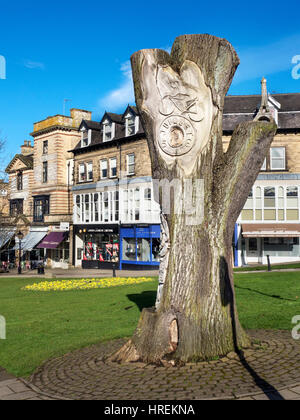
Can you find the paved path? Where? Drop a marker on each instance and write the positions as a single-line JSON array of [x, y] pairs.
[[269, 371], [12, 388], [73, 273]]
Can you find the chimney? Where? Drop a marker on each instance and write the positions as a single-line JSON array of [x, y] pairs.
[[26, 148], [78, 115]]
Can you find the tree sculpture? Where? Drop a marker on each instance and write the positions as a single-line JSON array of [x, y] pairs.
[[180, 98]]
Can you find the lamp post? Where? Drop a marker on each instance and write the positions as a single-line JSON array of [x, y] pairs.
[[20, 237]]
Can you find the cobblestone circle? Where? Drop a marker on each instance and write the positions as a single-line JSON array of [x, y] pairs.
[[83, 374]]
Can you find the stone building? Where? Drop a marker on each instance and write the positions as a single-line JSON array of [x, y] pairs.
[[54, 137], [115, 216], [269, 223]]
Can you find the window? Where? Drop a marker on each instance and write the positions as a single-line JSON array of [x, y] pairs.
[[90, 171], [82, 173], [41, 208], [130, 125], [269, 203], [45, 147], [277, 158], [130, 164], [292, 212], [113, 167], [264, 165], [108, 130], [103, 168], [86, 136], [16, 207], [45, 172], [19, 181]]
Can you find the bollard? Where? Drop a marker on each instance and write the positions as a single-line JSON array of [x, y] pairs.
[[269, 264], [114, 270]]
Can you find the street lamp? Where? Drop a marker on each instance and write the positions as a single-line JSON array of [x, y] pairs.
[[20, 237]]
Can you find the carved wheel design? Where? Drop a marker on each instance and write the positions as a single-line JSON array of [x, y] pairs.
[[176, 135]]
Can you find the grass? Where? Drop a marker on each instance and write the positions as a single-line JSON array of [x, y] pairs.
[[41, 325], [265, 267]]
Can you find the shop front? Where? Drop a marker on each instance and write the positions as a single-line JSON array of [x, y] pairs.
[[139, 247], [56, 246], [279, 241], [97, 246]]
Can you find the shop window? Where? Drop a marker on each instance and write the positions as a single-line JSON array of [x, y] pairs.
[[129, 252], [102, 247], [281, 247], [277, 158], [155, 249], [143, 249], [79, 253]]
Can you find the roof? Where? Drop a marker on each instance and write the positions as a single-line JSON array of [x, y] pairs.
[[26, 159], [97, 129], [241, 108]]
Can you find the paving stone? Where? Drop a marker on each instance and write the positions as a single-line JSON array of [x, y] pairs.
[[84, 374]]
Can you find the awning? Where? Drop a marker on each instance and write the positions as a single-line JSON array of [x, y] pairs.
[[52, 240], [30, 240], [271, 230], [5, 236]]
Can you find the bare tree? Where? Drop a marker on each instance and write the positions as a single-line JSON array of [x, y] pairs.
[[180, 98]]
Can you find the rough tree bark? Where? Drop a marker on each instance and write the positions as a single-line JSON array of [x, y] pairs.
[[180, 98]]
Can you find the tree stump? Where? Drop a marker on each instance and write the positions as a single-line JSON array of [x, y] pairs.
[[180, 98]]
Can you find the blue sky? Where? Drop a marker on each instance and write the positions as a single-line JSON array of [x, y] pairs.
[[80, 51]]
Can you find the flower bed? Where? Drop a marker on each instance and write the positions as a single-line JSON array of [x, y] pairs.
[[85, 284]]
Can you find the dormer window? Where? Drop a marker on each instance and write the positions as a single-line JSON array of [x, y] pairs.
[[131, 124], [108, 130], [86, 136]]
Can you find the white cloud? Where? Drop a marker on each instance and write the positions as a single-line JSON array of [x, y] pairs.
[[34, 65], [267, 59], [121, 96]]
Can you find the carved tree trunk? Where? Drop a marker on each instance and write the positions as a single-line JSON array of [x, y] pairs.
[[180, 98]]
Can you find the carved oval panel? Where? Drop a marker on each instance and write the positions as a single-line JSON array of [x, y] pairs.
[[176, 135]]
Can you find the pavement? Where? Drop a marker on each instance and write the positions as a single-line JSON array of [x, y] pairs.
[[73, 273], [270, 370]]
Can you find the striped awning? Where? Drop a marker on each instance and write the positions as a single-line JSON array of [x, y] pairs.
[[5, 236], [30, 241], [271, 230]]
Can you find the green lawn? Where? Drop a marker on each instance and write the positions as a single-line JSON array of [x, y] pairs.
[[265, 267], [41, 325]]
